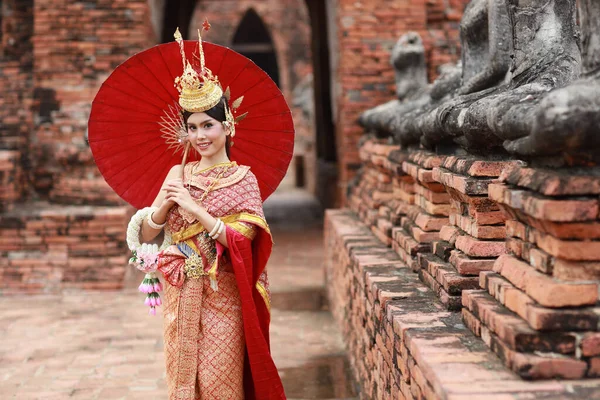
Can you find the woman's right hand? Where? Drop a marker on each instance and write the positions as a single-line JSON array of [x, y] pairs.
[[167, 204]]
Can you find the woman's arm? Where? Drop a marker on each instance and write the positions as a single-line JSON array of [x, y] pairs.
[[160, 215], [177, 193]]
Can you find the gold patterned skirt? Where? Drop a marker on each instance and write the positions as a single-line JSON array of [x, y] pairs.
[[204, 339]]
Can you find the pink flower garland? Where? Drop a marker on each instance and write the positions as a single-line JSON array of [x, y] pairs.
[[145, 258]]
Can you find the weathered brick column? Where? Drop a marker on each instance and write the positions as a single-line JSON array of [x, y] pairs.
[[383, 190], [422, 223], [539, 310], [474, 235]]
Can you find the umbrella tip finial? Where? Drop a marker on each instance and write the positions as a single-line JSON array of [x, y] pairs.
[[177, 35]]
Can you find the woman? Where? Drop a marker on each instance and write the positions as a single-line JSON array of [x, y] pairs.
[[216, 301]]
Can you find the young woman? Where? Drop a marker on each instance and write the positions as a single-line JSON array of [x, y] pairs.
[[216, 293]]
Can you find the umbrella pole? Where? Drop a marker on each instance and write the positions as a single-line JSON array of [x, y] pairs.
[[185, 155]]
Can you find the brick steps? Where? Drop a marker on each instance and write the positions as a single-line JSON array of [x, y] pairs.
[[403, 343]]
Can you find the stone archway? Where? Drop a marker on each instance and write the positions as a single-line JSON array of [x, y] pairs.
[[252, 39]]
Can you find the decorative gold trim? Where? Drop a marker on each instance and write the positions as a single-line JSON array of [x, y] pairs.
[[263, 292], [241, 228], [197, 228], [200, 181]]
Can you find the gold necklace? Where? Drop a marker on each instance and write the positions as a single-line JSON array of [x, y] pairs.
[[195, 166], [210, 182]]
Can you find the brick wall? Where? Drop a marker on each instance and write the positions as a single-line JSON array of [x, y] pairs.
[[47, 248], [55, 55], [16, 93], [366, 33], [403, 344], [76, 46], [515, 249]]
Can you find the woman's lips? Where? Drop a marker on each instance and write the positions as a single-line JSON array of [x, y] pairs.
[[204, 146]]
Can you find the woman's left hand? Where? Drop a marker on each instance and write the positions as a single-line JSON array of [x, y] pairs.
[[179, 194]]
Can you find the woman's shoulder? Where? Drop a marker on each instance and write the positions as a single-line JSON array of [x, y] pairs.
[[248, 170]]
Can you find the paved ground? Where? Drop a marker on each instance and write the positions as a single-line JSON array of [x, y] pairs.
[[90, 345]]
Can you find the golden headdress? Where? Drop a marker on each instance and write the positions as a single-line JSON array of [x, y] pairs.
[[199, 90]]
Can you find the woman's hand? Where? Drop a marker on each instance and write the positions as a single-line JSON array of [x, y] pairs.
[[177, 193]]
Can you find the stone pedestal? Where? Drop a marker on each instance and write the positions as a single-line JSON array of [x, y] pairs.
[[474, 235], [539, 307]]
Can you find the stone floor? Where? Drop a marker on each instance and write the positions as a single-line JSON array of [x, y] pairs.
[[90, 345]]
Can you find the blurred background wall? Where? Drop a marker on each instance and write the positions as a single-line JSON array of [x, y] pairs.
[[61, 225]]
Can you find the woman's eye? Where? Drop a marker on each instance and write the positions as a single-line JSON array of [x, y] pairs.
[[208, 125]]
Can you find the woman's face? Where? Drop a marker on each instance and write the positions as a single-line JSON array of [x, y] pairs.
[[206, 134]]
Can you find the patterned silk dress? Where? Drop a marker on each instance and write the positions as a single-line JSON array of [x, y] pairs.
[[203, 324]]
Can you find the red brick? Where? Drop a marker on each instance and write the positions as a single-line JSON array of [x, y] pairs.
[[590, 344], [479, 248], [431, 208], [553, 182], [449, 234], [544, 289], [430, 223], [576, 271], [574, 250], [537, 317], [467, 266], [544, 208]]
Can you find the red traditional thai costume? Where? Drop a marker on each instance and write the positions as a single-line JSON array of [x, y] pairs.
[[217, 300]]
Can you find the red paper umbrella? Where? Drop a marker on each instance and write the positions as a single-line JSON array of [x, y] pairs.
[[124, 128]]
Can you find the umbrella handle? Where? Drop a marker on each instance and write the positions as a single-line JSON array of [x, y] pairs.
[[185, 155]]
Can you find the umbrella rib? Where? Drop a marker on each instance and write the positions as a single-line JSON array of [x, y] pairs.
[[122, 136], [152, 73], [167, 66], [265, 116], [153, 189], [268, 130], [262, 101], [224, 57], [128, 109], [123, 150], [124, 179], [264, 78], [136, 160], [131, 95], [263, 145], [262, 163], [240, 71], [155, 77]]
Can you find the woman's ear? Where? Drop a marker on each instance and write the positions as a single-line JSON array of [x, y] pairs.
[[227, 127]]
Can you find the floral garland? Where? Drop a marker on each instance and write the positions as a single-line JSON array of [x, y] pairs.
[[145, 257]]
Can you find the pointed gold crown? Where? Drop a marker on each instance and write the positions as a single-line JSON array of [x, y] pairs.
[[199, 90]]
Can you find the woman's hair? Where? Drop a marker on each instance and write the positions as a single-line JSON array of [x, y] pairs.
[[218, 113]]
